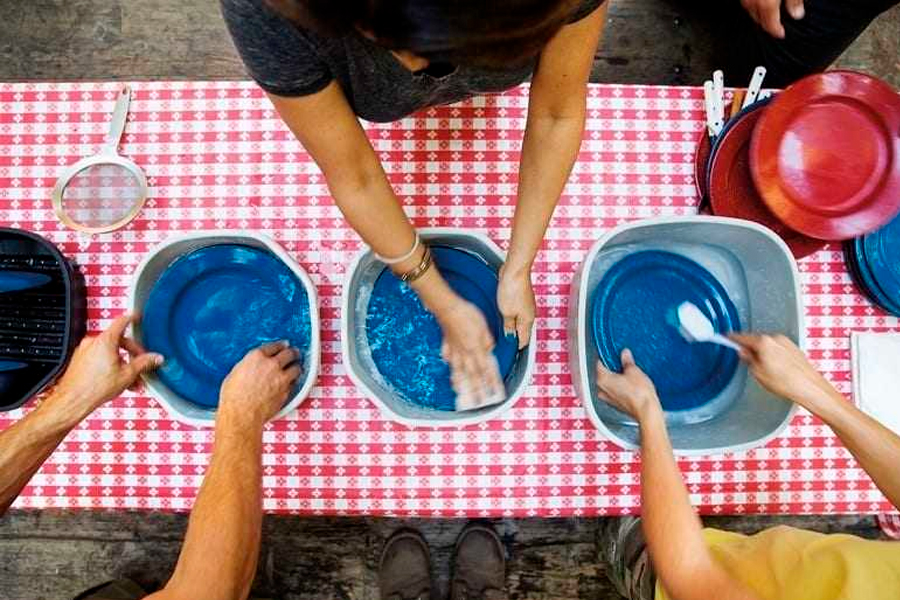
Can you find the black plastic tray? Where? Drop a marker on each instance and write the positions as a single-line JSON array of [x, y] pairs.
[[40, 326]]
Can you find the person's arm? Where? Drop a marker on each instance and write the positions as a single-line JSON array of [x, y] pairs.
[[221, 547], [553, 132], [679, 554], [326, 126], [95, 374], [782, 368]]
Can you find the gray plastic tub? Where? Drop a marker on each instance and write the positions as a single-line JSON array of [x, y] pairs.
[[761, 276], [361, 277], [158, 259]]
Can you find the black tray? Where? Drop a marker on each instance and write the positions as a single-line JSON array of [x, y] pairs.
[[40, 326]]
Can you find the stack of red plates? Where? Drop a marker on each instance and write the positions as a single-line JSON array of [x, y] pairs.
[[820, 162]]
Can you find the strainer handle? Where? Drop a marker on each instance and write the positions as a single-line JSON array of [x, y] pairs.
[[117, 122]]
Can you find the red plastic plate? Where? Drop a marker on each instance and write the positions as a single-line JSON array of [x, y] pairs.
[[731, 189], [825, 156]]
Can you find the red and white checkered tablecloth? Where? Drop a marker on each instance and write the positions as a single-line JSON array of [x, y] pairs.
[[218, 157]]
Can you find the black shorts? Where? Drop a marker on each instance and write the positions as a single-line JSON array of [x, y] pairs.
[[810, 45]]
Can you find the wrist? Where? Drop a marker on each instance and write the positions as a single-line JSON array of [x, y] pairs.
[[436, 295], [517, 264], [821, 402], [231, 421], [649, 411], [65, 409]]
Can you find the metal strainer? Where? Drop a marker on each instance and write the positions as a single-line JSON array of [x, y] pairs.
[[103, 192]]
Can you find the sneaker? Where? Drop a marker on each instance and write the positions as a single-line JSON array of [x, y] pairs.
[[479, 565], [621, 546], [404, 572]]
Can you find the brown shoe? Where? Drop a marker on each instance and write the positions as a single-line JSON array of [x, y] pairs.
[[479, 565], [405, 569]]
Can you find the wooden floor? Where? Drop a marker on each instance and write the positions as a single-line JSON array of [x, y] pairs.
[[54, 555]]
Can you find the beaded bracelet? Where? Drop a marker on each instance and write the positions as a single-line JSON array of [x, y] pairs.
[[420, 269]]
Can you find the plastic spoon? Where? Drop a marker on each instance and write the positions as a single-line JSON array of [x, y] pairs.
[[695, 327]]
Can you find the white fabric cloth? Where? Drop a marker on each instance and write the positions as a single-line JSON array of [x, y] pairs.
[[876, 376]]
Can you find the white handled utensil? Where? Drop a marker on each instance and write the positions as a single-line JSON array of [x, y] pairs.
[[695, 327], [714, 121], [752, 95], [719, 94]]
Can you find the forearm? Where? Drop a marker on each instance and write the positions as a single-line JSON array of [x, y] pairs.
[[29, 442], [666, 510], [673, 531], [372, 210], [221, 548], [875, 447], [549, 150]]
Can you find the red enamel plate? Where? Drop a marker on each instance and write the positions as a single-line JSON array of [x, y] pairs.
[[731, 190], [701, 163], [825, 155]]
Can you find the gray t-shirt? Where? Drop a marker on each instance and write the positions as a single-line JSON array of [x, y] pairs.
[[286, 60]]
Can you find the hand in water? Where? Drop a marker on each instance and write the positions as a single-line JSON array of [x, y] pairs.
[[631, 391], [468, 348], [258, 386], [782, 368], [515, 299]]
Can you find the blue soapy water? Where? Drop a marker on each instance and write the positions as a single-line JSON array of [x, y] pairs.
[[405, 340], [212, 306], [633, 308]]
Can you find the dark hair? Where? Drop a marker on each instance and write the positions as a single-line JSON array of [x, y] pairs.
[[485, 33]]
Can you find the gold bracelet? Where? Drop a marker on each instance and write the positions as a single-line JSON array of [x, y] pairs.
[[419, 270]]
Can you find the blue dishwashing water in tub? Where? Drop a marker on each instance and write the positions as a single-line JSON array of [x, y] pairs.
[[404, 338], [213, 305], [636, 292]]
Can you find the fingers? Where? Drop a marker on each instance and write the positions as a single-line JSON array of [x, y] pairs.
[[795, 8], [523, 330], [116, 330], [273, 348], [476, 380], [627, 359], [133, 347], [287, 356], [509, 324], [748, 341], [293, 372], [142, 364], [602, 373], [770, 19]]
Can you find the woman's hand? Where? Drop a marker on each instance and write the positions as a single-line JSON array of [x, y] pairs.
[[97, 372], [468, 348], [783, 369], [767, 14], [258, 386], [515, 299], [632, 391]]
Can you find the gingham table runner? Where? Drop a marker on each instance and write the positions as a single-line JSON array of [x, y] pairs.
[[218, 157]]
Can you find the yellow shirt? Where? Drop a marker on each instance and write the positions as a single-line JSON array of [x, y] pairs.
[[784, 563]]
